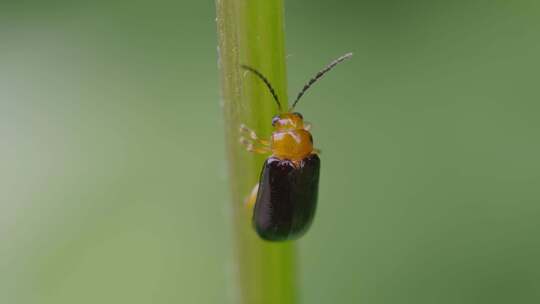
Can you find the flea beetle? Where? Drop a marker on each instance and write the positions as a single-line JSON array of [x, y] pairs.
[[286, 196]]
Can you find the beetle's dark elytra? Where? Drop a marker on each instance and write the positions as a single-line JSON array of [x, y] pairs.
[[287, 198]]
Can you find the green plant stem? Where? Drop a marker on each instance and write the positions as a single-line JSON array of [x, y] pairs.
[[251, 32]]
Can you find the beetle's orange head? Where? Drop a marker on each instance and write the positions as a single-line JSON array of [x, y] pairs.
[[288, 122]]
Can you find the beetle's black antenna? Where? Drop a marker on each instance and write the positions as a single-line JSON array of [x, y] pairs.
[[261, 76], [319, 75]]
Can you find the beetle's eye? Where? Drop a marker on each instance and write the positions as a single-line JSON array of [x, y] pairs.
[[275, 120], [299, 115]]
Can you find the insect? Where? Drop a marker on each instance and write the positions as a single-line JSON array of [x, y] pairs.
[[286, 196]]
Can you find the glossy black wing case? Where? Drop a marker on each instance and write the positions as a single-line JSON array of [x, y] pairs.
[[287, 198]]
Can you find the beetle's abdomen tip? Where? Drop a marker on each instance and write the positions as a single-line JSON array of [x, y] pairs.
[[279, 237]]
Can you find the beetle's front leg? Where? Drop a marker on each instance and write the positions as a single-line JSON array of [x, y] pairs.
[[254, 143], [244, 130], [250, 147]]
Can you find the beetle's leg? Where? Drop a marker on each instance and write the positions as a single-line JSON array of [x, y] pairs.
[[252, 198], [251, 145], [245, 130], [307, 125], [252, 148]]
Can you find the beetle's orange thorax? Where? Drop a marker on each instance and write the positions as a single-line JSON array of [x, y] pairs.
[[290, 140]]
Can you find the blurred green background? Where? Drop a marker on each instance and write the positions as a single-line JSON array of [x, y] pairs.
[[113, 174]]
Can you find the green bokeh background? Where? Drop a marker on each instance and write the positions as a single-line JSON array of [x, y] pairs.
[[113, 175]]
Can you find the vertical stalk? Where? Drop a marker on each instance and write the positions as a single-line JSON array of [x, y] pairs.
[[251, 32]]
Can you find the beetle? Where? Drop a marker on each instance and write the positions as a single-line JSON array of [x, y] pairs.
[[285, 198]]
